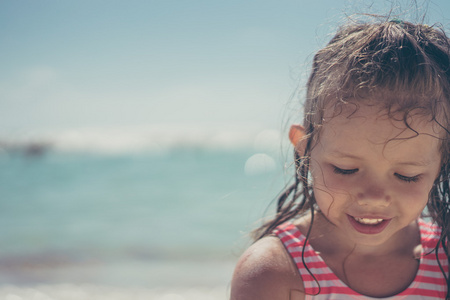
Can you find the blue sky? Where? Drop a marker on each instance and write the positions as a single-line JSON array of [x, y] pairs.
[[91, 63]]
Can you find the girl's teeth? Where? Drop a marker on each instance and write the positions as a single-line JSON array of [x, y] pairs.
[[369, 221]]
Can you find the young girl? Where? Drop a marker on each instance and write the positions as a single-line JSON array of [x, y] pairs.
[[373, 152]]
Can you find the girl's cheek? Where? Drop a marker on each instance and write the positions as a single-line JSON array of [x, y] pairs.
[[327, 179], [416, 190]]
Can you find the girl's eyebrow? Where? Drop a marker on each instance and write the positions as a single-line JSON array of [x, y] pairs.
[[417, 163], [340, 154]]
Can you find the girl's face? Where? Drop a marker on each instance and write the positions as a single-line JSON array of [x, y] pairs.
[[372, 175]]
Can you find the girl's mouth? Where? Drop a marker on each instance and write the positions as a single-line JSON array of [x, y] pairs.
[[368, 221], [368, 225]]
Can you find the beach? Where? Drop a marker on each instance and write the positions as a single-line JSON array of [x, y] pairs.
[[79, 292]]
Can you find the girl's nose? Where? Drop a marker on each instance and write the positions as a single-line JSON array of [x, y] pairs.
[[373, 195]]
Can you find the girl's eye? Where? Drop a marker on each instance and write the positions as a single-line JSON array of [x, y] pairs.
[[344, 171], [408, 179]]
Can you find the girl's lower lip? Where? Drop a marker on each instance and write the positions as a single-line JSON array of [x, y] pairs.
[[366, 228]]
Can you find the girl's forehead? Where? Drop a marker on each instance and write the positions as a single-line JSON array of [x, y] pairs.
[[370, 130], [379, 120]]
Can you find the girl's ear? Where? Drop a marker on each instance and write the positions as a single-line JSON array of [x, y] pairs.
[[296, 135]]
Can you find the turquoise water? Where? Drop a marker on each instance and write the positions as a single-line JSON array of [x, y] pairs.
[[130, 219]]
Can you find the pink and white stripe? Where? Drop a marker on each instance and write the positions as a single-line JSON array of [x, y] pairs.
[[429, 283]]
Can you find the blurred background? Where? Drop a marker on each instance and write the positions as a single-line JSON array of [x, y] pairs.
[[141, 141]]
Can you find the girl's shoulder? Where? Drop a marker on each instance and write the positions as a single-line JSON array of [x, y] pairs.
[[266, 271]]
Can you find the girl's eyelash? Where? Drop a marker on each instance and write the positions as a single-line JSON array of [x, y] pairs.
[[344, 171], [352, 171], [408, 179]]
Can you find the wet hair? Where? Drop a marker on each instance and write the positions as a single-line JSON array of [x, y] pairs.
[[400, 67]]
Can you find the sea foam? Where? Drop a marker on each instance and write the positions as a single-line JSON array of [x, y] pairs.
[[157, 139]]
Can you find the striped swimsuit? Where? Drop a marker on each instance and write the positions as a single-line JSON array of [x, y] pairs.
[[428, 284]]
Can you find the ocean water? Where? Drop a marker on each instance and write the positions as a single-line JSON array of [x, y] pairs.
[[130, 225]]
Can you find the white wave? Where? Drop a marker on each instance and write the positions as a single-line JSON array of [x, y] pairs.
[[268, 140], [154, 138]]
